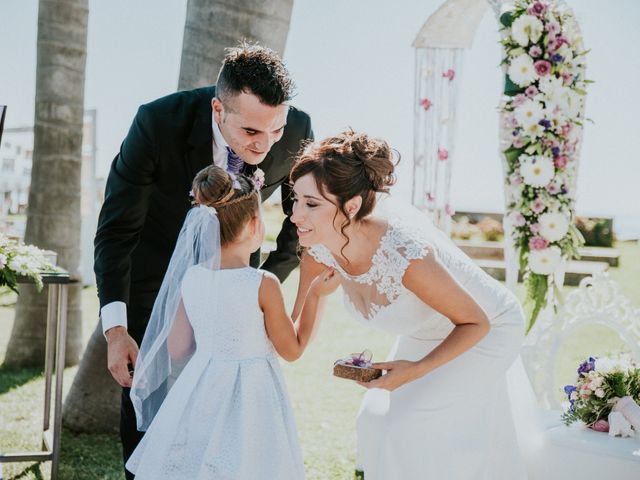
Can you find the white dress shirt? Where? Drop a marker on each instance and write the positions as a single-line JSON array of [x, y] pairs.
[[114, 314]]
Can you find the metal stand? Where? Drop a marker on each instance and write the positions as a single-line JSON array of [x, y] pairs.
[[54, 360]]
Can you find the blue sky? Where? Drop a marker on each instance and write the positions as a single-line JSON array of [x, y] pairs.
[[354, 66]]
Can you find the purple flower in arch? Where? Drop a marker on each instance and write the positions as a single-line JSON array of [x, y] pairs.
[[555, 151], [546, 124], [556, 57]]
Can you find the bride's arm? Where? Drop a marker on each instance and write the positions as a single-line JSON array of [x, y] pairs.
[[309, 269], [430, 281]]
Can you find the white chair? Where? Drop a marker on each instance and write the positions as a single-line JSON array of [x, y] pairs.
[[561, 452]]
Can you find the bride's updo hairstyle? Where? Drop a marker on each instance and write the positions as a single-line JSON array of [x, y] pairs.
[[348, 165], [235, 205]]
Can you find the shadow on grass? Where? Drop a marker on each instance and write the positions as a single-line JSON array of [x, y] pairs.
[[31, 472], [11, 377]]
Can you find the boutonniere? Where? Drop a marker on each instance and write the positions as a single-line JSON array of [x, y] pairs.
[[258, 178]]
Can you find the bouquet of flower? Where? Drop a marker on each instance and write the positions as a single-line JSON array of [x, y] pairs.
[[17, 259], [542, 109], [601, 383]]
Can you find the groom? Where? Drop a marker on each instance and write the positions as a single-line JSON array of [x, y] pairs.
[[242, 124]]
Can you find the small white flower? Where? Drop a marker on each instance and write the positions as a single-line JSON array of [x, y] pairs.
[[3, 261], [526, 28], [545, 261], [534, 131], [536, 171], [599, 393], [521, 70], [529, 113], [553, 226]]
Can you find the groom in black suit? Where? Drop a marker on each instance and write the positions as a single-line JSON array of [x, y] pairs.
[[243, 124]]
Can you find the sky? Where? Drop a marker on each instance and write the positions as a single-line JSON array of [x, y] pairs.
[[354, 66]]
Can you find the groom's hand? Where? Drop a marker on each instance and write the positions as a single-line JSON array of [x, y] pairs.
[[122, 350]]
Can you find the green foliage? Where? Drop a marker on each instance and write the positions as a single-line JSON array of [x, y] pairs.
[[537, 288]]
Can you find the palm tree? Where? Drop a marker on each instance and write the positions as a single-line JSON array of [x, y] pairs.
[[211, 26], [94, 399], [53, 219]]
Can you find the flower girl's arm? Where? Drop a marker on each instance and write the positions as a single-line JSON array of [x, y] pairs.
[[309, 270], [180, 342], [288, 337]]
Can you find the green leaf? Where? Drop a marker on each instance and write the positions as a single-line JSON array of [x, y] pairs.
[[512, 154], [506, 19], [510, 88]]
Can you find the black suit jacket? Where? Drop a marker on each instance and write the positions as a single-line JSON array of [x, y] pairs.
[[147, 197]]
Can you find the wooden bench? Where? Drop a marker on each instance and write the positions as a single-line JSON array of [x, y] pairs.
[[576, 270]]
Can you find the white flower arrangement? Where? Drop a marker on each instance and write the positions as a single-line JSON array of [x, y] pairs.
[[17, 259], [542, 106]]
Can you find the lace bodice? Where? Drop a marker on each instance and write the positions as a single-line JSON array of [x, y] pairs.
[[379, 298]]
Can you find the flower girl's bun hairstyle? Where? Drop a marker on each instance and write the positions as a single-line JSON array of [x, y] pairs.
[[235, 199], [347, 165]]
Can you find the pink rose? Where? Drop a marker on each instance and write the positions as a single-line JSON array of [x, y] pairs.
[[600, 426], [517, 142], [449, 74], [553, 27], [518, 100], [517, 219], [566, 129], [426, 103], [538, 9], [448, 209], [537, 206], [443, 154], [535, 51], [538, 243], [534, 227], [542, 67], [531, 91], [553, 188], [561, 161]]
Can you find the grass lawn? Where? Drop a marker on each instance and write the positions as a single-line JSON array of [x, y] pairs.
[[325, 406]]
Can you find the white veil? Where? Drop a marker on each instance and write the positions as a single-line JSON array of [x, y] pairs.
[[168, 339]]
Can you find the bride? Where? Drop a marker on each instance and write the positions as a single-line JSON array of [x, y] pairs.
[[441, 410]]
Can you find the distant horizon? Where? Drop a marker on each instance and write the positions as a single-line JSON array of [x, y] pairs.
[[359, 74]]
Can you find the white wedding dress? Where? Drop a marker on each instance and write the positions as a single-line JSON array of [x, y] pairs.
[[228, 414], [455, 422]]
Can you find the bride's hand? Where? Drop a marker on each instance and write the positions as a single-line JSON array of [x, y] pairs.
[[398, 373]]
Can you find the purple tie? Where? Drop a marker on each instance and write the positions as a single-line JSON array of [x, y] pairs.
[[234, 162]]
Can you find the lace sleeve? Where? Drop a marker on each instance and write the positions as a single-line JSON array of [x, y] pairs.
[[321, 254]]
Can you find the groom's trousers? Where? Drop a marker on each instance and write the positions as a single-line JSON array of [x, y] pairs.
[[129, 434]]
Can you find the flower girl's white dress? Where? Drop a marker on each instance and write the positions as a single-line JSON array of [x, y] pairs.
[[228, 414], [455, 422]]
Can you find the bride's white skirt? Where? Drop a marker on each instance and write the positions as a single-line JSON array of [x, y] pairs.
[[454, 423]]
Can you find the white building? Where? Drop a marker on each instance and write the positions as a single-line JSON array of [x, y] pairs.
[[16, 152]]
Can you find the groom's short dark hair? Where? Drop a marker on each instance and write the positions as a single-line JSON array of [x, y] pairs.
[[251, 68]]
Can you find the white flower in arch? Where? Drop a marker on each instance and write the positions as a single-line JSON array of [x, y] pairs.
[[526, 28], [536, 171]]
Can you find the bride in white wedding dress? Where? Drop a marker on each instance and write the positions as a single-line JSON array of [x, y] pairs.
[[441, 411]]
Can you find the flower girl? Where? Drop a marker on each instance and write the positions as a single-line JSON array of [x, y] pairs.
[[226, 415]]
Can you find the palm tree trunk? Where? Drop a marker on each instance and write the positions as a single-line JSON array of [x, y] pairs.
[[212, 26], [94, 400], [53, 219], [93, 403]]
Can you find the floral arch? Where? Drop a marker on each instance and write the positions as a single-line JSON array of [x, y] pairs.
[[542, 110]]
